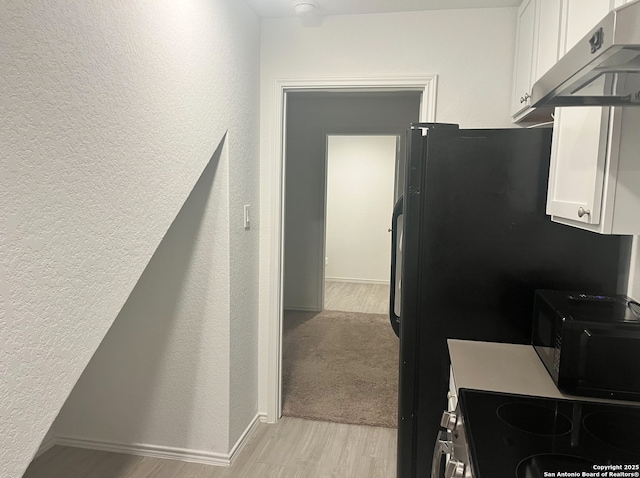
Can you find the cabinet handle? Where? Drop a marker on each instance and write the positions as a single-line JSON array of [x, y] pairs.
[[583, 212], [523, 99]]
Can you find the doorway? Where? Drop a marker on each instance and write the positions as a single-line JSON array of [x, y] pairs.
[[278, 169], [346, 359], [360, 193], [310, 118]]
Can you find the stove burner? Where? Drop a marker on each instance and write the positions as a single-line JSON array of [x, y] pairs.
[[534, 419], [618, 429], [535, 466]]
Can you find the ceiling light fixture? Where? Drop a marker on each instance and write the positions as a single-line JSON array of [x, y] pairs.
[[304, 8]]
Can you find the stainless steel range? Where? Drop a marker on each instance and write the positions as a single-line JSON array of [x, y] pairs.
[[496, 435], [451, 453]]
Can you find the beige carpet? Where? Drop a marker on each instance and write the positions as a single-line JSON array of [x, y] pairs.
[[340, 367]]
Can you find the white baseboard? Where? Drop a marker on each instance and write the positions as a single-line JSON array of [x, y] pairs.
[[357, 281], [155, 451], [45, 446], [166, 452], [301, 308], [246, 435]]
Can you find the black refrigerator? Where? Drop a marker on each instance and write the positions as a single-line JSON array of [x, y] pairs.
[[474, 243]]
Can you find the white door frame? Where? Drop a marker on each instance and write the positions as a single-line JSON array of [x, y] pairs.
[[426, 85]]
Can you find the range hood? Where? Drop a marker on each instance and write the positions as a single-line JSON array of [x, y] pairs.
[[603, 69]]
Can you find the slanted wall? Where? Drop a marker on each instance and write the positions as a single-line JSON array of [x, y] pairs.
[[110, 113]]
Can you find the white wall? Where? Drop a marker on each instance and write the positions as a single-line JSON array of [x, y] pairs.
[[471, 51], [360, 180], [110, 112], [160, 377]]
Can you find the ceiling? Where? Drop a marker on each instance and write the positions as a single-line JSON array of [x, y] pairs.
[[284, 8]]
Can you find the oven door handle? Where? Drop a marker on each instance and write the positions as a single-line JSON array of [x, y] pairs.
[[443, 446]]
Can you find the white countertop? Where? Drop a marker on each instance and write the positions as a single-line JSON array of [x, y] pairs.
[[508, 368]]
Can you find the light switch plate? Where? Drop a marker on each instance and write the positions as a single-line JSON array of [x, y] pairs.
[[247, 221]]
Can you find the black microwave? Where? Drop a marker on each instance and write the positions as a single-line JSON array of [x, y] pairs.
[[589, 344]]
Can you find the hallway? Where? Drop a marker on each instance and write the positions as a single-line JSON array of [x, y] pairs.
[[341, 364]]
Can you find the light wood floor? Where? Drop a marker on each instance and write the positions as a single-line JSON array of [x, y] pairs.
[[292, 448], [356, 297]]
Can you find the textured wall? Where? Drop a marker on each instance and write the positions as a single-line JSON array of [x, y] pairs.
[[471, 51], [109, 114], [161, 375]]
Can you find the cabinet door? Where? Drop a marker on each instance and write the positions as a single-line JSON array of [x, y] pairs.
[[524, 61], [579, 150], [578, 156], [548, 37], [578, 17]]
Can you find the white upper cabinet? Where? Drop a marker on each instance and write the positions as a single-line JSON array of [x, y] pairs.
[[594, 180], [547, 50], [538, 31], [525, 39]]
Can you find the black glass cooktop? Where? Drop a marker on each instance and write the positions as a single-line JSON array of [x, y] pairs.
[[525, 437]]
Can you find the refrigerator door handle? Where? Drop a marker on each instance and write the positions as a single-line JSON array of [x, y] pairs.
[[397, 212]]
